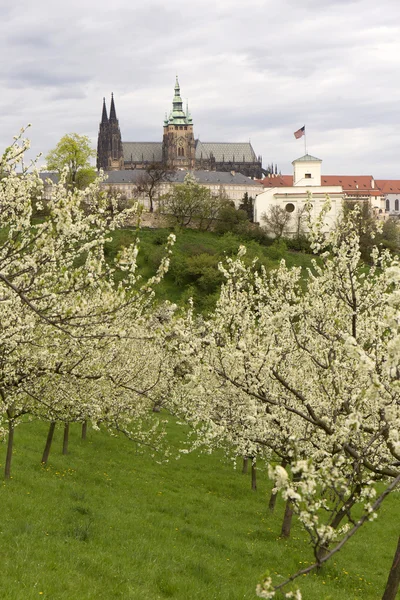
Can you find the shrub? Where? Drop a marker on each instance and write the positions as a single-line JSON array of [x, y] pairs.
[[277, 250], [299, 243]]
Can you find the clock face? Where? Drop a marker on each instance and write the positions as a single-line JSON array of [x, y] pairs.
[[181, 142]]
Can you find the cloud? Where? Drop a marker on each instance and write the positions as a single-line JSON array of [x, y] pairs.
[[257, 70]]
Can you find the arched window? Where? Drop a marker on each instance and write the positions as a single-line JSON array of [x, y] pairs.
[[387, 204], [396, 205]]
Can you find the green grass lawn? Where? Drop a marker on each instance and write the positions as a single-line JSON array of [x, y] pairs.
[[107, 522]]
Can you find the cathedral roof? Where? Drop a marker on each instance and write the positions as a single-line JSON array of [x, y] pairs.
[[226, 151], [221, 151], [142, 151]]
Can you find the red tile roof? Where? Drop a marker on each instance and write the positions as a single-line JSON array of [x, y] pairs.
[[358, 185], [350, 182], [277, 181], [388, 186]]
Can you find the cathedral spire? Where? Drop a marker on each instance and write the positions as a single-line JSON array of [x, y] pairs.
[[104, 118], [177, 115], [113, 114], [177, 101]]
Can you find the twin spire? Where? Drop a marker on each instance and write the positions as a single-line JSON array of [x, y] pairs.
[[113, 114]]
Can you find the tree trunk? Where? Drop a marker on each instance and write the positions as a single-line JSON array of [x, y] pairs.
[[287, 519], [66, 438], [245, 464], [393, 581], [272, 501], [84, 430], [47, 447], [7, 469], [253, 475]]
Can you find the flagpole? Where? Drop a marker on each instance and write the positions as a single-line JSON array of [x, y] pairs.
[[305, 141]]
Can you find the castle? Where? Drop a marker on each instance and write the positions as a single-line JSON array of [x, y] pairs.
[[178, 150]]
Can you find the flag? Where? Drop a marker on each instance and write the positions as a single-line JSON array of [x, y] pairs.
[[300, 132]]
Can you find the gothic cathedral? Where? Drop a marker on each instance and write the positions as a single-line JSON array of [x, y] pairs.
[[178, 150]]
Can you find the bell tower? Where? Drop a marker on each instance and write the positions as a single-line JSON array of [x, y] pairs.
[[178, 139]]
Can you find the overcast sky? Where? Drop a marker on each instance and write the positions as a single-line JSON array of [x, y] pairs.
[[250, 69]]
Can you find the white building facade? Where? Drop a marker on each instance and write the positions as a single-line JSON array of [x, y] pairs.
[[306, 181], [231, 184]]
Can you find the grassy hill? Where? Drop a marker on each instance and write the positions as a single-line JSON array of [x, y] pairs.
[[194, 262], [106, 522]]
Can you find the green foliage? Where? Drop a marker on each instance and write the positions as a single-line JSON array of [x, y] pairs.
[[250, 231], [204, 271], [195, 257], [278, 249], [73, 151], [230, 244], [366, 225], [247, 205], [372, 232], [160, 238], [230, 219], [105, 522], [299, 243], [187, 202], [191, 204], [389, 237]]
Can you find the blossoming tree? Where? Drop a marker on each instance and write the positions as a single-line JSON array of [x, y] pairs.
[[65, 320], [320, 353]]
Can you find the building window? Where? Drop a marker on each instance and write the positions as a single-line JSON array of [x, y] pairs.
[[396, 205], [307, 175], [387, 204], [289, 207], [185, 128]]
